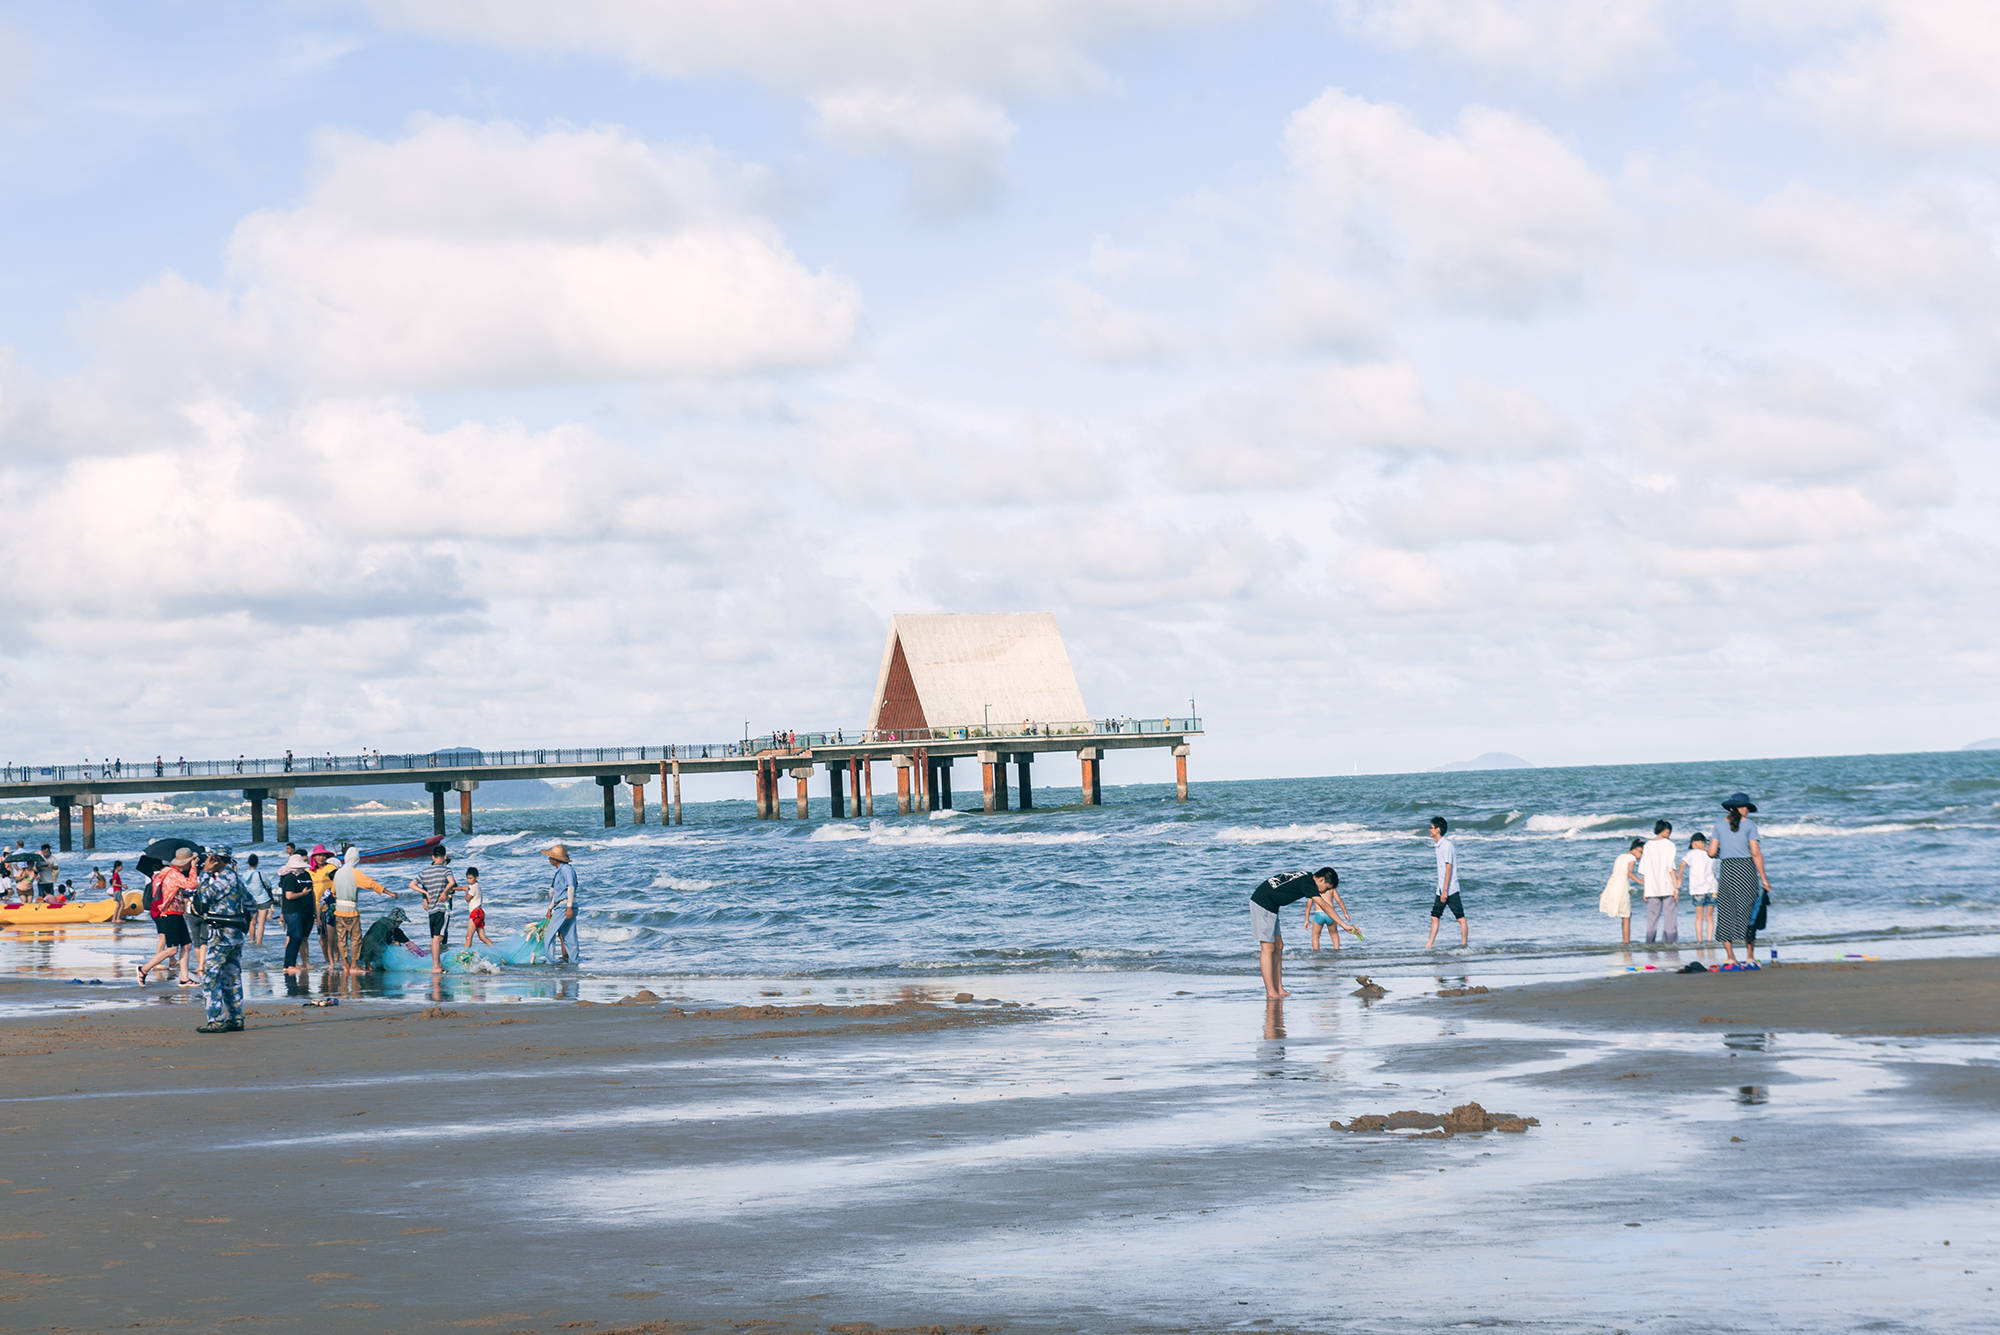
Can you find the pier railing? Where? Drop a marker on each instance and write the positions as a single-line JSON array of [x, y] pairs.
[[277, 767]]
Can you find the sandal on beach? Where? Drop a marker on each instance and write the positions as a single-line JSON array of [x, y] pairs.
[[142, 975]]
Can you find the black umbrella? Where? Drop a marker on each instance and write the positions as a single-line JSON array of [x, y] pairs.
[[22, 855], [163, 850]]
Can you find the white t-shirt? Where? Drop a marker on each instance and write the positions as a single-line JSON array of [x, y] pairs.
[[1447, 855], [1701, 872], [1656, 867]]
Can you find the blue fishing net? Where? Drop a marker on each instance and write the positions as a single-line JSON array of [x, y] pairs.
[[528, 947]]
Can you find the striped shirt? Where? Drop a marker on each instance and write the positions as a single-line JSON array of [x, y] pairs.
[[436, 884]]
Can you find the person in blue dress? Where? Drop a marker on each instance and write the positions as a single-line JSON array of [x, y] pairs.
[[560, 920]]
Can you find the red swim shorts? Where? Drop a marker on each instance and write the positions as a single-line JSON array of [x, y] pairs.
[[479, 917]]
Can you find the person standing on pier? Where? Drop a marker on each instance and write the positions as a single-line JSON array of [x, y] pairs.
[[560, 920], [1447, 893]]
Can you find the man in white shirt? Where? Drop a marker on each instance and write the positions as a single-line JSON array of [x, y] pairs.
[[1660, 869], [1447, 893]]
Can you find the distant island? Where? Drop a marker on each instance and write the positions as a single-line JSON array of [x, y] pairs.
[[1990, 744], [1491, 760]]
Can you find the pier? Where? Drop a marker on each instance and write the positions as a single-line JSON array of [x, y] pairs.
[[923, 761]]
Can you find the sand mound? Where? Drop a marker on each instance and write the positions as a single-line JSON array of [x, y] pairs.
[[643, 997], [1465, 1119], [1369, 987], [1462, 991]]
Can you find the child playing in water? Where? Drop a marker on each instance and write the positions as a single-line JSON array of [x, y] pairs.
[[1318, 919], [1616, 901], [475, 907], [1701, 887]]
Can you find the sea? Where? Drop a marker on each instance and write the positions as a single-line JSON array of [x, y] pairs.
[[1868, 855]]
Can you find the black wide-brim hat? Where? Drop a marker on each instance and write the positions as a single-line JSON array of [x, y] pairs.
[[1738, 800]]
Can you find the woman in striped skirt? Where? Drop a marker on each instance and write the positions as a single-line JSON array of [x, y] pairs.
[[1740, 880]]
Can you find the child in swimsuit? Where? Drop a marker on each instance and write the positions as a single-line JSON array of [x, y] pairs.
[[1318, 920], [475, 907]]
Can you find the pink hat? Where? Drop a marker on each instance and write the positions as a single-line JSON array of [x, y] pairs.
[[319, 849]]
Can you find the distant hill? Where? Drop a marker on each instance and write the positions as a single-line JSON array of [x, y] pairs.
[[1491, 760], [1990, 744]]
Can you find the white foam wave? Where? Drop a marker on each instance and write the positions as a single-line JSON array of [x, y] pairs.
[[1808, 830], [478, 841], [953, 836], [609, 935], [682, 883], [635, 841], [1325, 832], [1571, 827]]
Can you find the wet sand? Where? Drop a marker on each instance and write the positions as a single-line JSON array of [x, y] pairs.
[[1135, 1153], [1955, 996]]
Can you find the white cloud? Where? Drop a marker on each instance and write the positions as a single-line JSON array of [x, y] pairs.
[[1496, 214], [1307, 309], [1574, 42], [1098, 330], [956, 142], [468, 253], [1918, 73], [1934, 245]]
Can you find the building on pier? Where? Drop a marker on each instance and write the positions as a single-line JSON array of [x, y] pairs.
[[966, 669]]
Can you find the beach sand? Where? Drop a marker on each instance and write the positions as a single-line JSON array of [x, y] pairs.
[[1801, 1149]]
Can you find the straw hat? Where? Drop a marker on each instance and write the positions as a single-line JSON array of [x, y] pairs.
[[183, 856], [560, 852]]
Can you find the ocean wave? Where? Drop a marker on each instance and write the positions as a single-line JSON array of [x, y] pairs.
[[682, 883], [946, 835], [1574, 826], [1811, 830], [1322, 832], [479, 841]]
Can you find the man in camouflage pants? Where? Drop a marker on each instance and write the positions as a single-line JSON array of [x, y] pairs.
[[227, 906]]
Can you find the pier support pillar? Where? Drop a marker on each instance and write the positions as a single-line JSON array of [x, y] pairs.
[[944, 784], [903, 768], [1180, 772], [607, 782], [466, 787], [803, 774], [283, 800], [677, 792], [995, 794], [62, 805], [867, 788], [437, 792], [836, 795], [89, 806], [638, 783], [1093, 795], [1022, 760], [256, 800]]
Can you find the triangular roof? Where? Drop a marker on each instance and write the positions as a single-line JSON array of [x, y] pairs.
[[953, 669]]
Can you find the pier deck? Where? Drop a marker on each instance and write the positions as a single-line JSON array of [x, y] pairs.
[[922, 760]]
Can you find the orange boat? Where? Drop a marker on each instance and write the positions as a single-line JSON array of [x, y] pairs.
[[75, 911]]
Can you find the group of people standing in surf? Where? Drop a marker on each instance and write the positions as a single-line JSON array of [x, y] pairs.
[[1723, 874]]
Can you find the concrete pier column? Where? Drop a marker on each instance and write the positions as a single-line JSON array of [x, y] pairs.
[[62, 805], [944, 784], [803, 774], [677, 792], [256, 799], [836, 796], [1092, 795], [1180, 772], [437, 792], [466, 787], [762, 814], [283, 799], [903, 767], [607, 782], [990, 761], [88, 801], [868, 787], [638, 799], [1022, 761]]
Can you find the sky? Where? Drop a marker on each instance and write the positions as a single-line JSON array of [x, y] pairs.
[[1396, 380]]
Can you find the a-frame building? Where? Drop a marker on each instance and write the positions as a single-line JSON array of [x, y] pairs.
[[968, 669]]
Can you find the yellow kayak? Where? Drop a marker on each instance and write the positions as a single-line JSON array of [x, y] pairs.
[[77, 910]]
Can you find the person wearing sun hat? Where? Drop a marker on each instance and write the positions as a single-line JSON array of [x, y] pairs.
[[560, 921], [1739, 851]]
